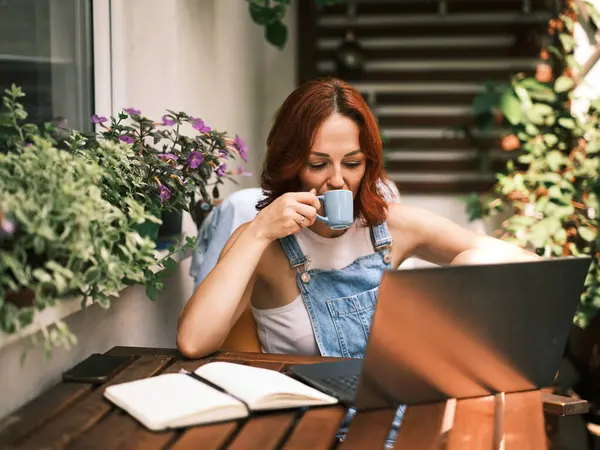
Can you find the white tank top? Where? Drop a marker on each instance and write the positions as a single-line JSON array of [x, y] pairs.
[[287, 329]]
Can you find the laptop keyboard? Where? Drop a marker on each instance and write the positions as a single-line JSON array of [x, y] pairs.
[[345, 385]]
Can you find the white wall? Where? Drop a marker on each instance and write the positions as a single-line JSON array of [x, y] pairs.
[[205, 57]]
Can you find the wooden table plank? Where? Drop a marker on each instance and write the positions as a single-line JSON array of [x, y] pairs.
[[271, 365], [72, 423], [524, 422], [421, 427], [473, 426], [264, 432], [288, 359], [121, 431], [122, 350], [207, 437], [40, 410], [368, 429], [317, 429]]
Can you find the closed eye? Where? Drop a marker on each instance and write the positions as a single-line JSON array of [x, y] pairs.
[[352, 164]]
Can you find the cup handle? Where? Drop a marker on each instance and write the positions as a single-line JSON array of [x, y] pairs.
[[325, 220]]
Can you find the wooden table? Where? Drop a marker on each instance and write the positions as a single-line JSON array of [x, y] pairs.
[[76, 416]]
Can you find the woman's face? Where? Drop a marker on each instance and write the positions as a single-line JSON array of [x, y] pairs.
[[335, 160]]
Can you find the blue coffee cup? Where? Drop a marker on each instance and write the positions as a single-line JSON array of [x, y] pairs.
[[339, 209]]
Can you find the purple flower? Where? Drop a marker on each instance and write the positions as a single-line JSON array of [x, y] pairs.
[[194, 159], [167, 156], [241, 147], [167, 121], [221, 170], [223, 153], [165, 193], [126, 138], [132, 111], [98, 119], [200, 125]]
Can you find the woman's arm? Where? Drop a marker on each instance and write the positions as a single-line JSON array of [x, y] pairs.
[[223, 295], [219, 300], [441, 241]]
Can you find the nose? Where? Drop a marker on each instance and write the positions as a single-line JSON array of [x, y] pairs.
[[336, 181]]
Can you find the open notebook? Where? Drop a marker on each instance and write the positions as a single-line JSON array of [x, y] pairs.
[[179, 399]]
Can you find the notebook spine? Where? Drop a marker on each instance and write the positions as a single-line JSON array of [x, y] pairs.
[[197, 377]]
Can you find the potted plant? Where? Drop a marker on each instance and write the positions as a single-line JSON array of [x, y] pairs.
[[65, 239], [172, 169], [77, 221]]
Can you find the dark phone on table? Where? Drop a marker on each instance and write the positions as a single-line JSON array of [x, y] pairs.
[[98, 368]]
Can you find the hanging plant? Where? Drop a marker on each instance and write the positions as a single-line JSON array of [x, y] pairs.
[[270, 14]]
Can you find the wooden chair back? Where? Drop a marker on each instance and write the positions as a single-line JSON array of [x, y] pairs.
[[243, 337]]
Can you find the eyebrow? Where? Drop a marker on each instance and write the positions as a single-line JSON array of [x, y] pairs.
[[325, 155]]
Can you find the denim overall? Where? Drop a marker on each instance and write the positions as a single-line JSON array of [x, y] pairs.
[[341, 302]]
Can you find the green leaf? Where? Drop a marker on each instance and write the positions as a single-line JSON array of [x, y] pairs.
[[42, 275], [566, 122], [587, 234], [563, 84], [151, 292], [541, 114], [128, 281], [511, 107], [170, 263], [522, 221], [550, 140], [262, 15], [92, 275], [276, 34], [531, 129], [523, 95], [560, 236], [484, 103], [567, 41]]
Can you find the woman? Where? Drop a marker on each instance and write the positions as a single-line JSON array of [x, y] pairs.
[[312, 289]]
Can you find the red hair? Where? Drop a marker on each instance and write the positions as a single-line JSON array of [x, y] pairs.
[[293, 133]]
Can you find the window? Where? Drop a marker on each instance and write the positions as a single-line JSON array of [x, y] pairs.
[[46, 48]]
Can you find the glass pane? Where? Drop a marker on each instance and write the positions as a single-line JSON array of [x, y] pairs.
[[46, 48]]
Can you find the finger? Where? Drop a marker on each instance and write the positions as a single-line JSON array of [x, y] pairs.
[[308, 198], [301, 220], [307, 211]]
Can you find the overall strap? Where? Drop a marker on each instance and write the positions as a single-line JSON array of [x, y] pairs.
[[381, 237], [292, 250]]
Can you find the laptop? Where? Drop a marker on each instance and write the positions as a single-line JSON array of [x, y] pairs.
[[459, 332]]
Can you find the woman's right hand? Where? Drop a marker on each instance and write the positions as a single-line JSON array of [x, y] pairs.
[[287, 215]]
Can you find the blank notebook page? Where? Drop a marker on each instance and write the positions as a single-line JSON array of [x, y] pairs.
[[158, 401], [252, 383]]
